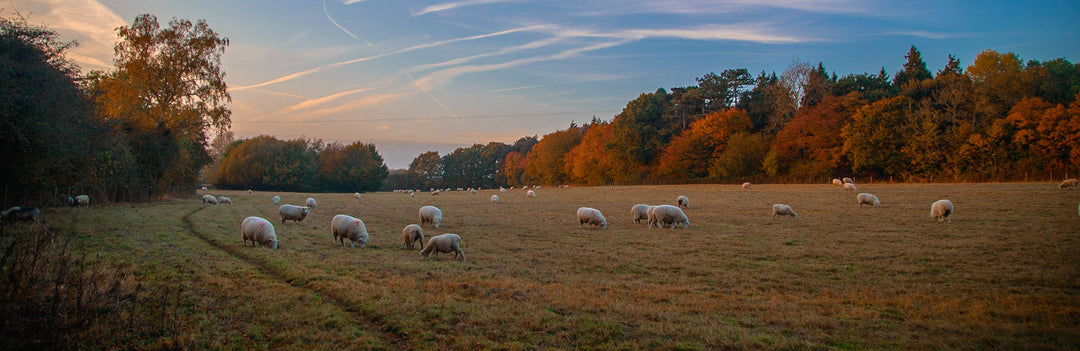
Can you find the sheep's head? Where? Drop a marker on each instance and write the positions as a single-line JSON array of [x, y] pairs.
[[274, 244]]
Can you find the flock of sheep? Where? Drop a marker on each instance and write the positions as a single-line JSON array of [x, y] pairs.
[[260, 231]]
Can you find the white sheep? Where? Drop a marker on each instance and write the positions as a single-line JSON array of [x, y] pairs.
[[683, 201], [848, 180], [310, 203], [783, 210], [869, 199], [1069, 183], [837, 182], [591, 216], [430, 214], [356, 195], [345, 226], [494, 199], [82, 200], [276, 199], [473, 191], [941, 210], [639, 212], [224, 200], [667, 214], [209, 199], [412, 193], [413, 234], [746, 185], [259, 231], [435, 192], [293, 212], [502, 190], [531, 193], [443, 243], [850, 186]]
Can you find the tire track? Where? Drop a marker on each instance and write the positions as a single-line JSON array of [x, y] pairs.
[[391, 340]]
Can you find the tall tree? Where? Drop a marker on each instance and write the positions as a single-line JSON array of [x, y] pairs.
[[427, 168], [590, 161], [356, 167], [874, 139], [545, 164], [168, 90], [640, 132], [914, 69]]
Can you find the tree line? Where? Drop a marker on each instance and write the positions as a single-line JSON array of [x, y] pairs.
[[999, 119]]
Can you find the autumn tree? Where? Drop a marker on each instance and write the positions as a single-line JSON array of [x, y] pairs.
[[811, 144], [692, 154], [640, 133], [268, 163], [545, 164], [168, 92], [357, 167], [999, 83], [475, 166], [874, 139], [1048, 134], [589, 162], [427, 169]]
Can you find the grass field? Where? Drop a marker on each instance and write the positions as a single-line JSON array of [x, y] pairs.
[[1004, 273]]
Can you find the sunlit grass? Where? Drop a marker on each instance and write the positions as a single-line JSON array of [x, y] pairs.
[[1003, 274]]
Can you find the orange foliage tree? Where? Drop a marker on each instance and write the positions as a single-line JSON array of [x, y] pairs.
[[590, 161], [690, 154], [810, 145], [545, 163]]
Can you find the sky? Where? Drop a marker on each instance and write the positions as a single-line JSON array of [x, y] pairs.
[[416, 76]]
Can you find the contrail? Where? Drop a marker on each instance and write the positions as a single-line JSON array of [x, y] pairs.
[[340, 27]]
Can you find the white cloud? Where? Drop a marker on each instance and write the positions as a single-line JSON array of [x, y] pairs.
[[89, 22], [453, 5]]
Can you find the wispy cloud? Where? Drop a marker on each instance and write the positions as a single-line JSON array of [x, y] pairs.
[[517, 88], [307, 104], [88, 21], [327, 13], [928, 35], [296, 75], [712, 7], [504, 51], [361, 103], [454, 5]]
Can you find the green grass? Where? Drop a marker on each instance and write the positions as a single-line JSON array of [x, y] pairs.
[[1003, 274]]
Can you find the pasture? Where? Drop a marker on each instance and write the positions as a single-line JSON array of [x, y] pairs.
[[1004, 273]]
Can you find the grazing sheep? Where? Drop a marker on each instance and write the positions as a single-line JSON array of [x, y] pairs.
[[848, 180], [837, 182], [249, 191], [941, 210], [345, 226], [668, 214], [293, 212], [591, 216], [430, 214], [412, 193], [443, 243], [783, 210], [639, 212], [413, 234], [502, 190], [224, 200], [21, 214], [683, 201], [276, 199], [850, 186], [82, 200], [494, 199], [1069, 183], [869, 199], [259, 231], [473, 191], [746, 185], [356, 195], [310, 203], [209, 199], [531, 193]]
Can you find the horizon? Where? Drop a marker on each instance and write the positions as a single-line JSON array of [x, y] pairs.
[[416, 76]]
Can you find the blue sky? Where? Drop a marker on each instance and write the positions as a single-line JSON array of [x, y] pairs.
[[413, 76]]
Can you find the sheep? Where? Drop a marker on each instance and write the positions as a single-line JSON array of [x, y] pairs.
[[430, 214], [848, 180], [276, 199], [850, 186], [258, 230], [783, 210], [531, 193], [746, 185], [435, 192], [209, 199], [82, 200], [345, 226], [443, 243], [502, 190], [413, 234], [591, 216], [473, 191], [1069, 183], [249, 191], [683, 201], [639, 212], [310, 203], [837, 182], [668, 214], [224, 200], [293, 212], [941, 210], [494, 199], [869, 199], [356, 195], [412, 193], [21, 214]]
